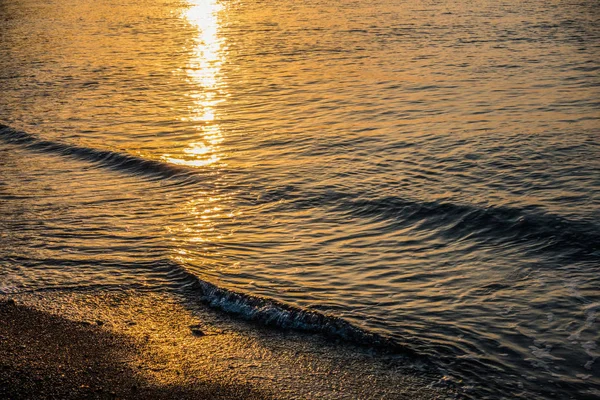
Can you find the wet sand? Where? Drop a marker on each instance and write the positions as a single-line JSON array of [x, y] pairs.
[[44, 356], [134, 345]]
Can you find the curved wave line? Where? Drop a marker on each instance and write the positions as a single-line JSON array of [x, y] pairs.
[[106, 158], [270, 312], [456, 221]]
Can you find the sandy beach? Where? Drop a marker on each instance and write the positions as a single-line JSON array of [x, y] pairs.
[[134, 345]]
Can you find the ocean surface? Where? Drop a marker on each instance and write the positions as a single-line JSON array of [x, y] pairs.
[[420, 174]]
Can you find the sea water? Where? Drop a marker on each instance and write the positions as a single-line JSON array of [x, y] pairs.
[[423, 175]]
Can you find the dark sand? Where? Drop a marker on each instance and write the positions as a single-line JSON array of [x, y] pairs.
[[48, 357], [136, 345]]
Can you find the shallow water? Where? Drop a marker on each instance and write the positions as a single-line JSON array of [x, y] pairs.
[[429, 172]]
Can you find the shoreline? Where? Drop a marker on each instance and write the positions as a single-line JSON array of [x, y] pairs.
[[44, 356], [136, 344]]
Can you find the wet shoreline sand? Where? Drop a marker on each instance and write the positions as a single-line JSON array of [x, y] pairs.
[[135, 344]]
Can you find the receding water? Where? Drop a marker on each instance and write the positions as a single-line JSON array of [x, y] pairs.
[[427, 171]]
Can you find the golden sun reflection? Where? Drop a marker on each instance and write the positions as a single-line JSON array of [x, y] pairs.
[[203, 72]]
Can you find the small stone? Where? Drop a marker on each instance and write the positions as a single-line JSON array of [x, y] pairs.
[[197, 332]]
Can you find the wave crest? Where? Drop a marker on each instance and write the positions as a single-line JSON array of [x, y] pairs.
[[105, 158]]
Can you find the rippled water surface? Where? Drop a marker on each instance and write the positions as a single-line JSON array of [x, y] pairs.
[[427, 171]]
